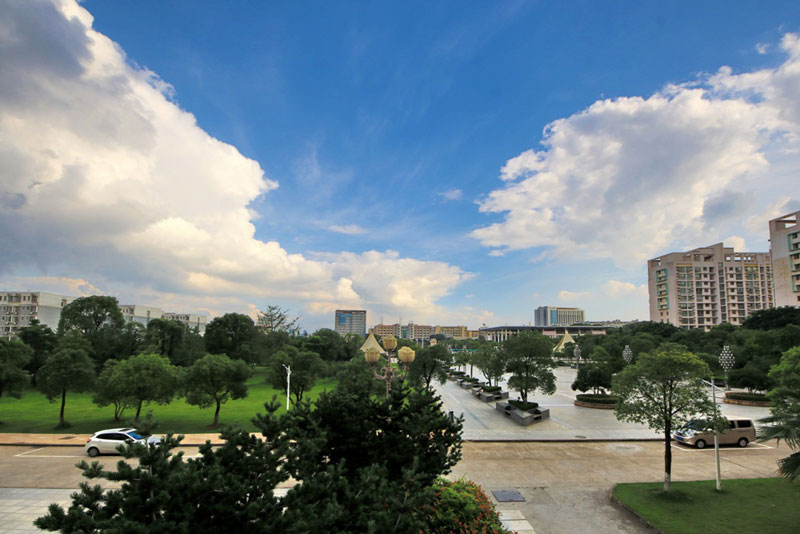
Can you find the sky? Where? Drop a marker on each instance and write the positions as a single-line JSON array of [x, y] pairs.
[[451, 163]]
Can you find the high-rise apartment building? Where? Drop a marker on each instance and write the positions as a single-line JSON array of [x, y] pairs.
[[351, 322], [784, 239], [553, 315], [708, 286], [18, 308]]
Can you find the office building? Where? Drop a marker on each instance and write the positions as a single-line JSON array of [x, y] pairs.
[[18, 308], [351, 322], [456, 332], [708, 286], [191, 320], [416, 332], [140, 314], [501, 333], [553, 315], [784, 239]]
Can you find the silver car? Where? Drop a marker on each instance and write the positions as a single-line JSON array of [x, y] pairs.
[[107, 441]]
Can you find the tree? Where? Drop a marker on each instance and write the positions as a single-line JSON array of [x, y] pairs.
[[784, 420], [328, 344], [491, 362], [592, 376], [772, 318], [214, 379], [231, 334], [749, 377], [429, 363], [100, 321], [362, 464], [276, 319], [173, 339], [530, 362], [131, 339], [305, 365], [139, 379], [42, 340], [663, 390], [111, 389], [68, 369], [14, 356]]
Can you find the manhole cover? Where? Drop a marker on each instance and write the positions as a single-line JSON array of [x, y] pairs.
[[507, 496], [68, 437]]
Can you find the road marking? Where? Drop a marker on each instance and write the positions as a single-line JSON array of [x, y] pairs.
[[710, 447], [53, 456], [28, 452]]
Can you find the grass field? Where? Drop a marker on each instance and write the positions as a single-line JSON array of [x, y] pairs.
[[34, 413], [744, 505]]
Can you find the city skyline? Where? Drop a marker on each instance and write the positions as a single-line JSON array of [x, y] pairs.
[[449, 164]]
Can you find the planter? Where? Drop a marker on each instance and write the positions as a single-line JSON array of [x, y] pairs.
[[746, 402], [595, 401], [491, 396], [521, 417]]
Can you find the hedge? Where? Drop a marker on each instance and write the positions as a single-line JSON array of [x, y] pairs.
[[741, 395], [597, 398], [491, 389], [525, 406], [461, 506]]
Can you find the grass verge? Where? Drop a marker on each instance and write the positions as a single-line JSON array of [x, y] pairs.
[[744, 505], [33, 413]]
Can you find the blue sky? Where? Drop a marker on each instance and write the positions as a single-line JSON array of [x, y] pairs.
[[442, 162]]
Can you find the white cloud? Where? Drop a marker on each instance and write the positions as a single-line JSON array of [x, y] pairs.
[[104, 178], [452, 194], [348, 229], [630, 178], [762, 48], [616, 289], [737, 242], [572, 296]]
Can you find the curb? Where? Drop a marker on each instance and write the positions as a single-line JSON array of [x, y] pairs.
[[624, 506], [761, 404], [593, 405]]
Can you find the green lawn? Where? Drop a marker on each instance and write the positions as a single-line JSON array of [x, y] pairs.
[[34, 413], [744, 505]]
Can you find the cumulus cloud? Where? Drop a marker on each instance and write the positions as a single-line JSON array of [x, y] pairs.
[[629, 178], [617, 289], [452, 194], [103, 177]]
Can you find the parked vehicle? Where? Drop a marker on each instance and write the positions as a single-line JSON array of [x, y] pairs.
[[107, 441], [740, 432]]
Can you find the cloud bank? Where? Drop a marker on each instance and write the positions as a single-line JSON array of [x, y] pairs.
[[106, 180], [629, 178]]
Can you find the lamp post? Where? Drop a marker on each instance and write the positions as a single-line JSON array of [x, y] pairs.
[[716, 440], [288, 383], [627, 354], [726, 360], [577, 353], [387, 374]]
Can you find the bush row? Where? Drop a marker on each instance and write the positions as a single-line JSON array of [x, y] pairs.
[[596, 398]]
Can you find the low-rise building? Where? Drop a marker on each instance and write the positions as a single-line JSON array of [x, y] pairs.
[[501, 333], [19, 308], [555, 315]]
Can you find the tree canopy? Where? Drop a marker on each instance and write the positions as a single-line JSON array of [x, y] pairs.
[[232, 335], [69, 369], [784, 420], [663, 390], [531, 364], [214, 379], [429, 363], [14, 356]]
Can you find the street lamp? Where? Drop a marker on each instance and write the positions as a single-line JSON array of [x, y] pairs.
[[726, 360], [387, 374], [627, 354], [577, 353], [288, 383]]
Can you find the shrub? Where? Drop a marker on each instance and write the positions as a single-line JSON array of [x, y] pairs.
[[740, 395], [525, 406], [461, 506], [491, 389], [597, 398], [457, 373], [471, 380]]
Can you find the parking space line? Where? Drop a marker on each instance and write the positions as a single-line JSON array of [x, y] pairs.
[[28, 452], [750, 447]]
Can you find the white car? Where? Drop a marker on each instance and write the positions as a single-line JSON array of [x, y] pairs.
[[107, 441]]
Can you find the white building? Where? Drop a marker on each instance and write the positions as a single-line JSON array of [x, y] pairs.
[[189, 319], [708, 286], [554, 315], [140, 314], [18, 308], [784, 239]]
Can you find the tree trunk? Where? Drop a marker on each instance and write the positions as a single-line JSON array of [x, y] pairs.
[[216, 414], [138, 411], [667, 456], [63, 402]]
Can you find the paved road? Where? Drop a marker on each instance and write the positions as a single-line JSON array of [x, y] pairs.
[[567, 421], [565, 485]]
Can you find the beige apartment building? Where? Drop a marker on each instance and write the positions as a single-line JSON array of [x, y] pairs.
[[456, 332], [784, 239], [708, 286], [18, 308]]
